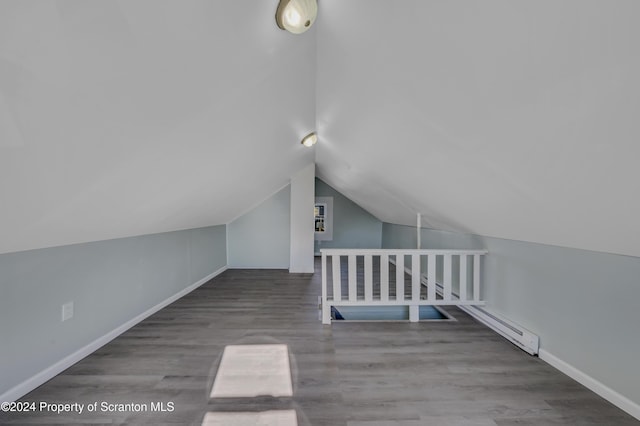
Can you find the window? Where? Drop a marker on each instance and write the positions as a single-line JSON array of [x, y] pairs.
[[319, 216], [323, 218]]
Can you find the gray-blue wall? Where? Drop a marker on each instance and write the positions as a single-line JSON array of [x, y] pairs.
[[353, 227], [582, 304], [110, 283], [260, 238]]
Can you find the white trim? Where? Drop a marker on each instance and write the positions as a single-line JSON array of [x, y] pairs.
[[583, 378], [378, 252], [276, 268], [406, 302], [48, 373]]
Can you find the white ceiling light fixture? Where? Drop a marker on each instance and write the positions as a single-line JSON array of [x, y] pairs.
[[309, 140], [296, 16]]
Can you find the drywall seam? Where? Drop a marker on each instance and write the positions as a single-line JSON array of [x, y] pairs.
[[226, 242], [584, 379], [48, 373], [256, 205]]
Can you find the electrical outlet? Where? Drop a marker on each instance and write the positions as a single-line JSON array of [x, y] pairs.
[[67, 311]]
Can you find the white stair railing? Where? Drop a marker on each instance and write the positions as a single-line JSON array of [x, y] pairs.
[[437, 277]]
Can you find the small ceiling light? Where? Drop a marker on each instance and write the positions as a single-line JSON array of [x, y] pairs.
[[309, 140], [296, 16]]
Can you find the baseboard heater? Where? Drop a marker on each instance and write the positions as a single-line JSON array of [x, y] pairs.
[[519, 336]]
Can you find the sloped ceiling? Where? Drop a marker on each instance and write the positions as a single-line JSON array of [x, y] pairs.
[[509, 119], [121, 118]]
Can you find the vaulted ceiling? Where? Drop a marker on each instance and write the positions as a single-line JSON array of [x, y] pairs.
[[122, 118], [501, 118], [508, 119]]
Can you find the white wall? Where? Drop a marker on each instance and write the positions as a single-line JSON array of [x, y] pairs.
[[582, 304], [260, 237], [302, 226]]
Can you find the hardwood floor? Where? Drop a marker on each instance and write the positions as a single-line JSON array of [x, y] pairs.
[[351, 374]]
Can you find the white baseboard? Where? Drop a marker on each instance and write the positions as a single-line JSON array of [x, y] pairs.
[[584, 379], [48, 373]]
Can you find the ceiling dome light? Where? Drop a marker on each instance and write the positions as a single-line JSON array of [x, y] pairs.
[[296, 16], [309, 140]]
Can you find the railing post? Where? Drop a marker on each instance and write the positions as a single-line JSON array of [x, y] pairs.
[[447, 278], [384, 277], [463, 277], [399, 277], [353, 275], [431, 277], [476, 277], [326, 309], [414, 309], [368, 277], [414, 313], [415, 277], [337, 278]]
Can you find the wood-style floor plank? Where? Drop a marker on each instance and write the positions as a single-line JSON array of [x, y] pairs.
[[349, 374]]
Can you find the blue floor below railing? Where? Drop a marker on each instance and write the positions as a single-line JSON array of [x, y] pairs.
[[383, 313]]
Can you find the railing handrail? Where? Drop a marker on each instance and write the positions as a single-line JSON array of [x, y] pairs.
[[345, 252]]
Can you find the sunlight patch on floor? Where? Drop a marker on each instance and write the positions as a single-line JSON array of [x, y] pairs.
[[264, 418], [253, 370]]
